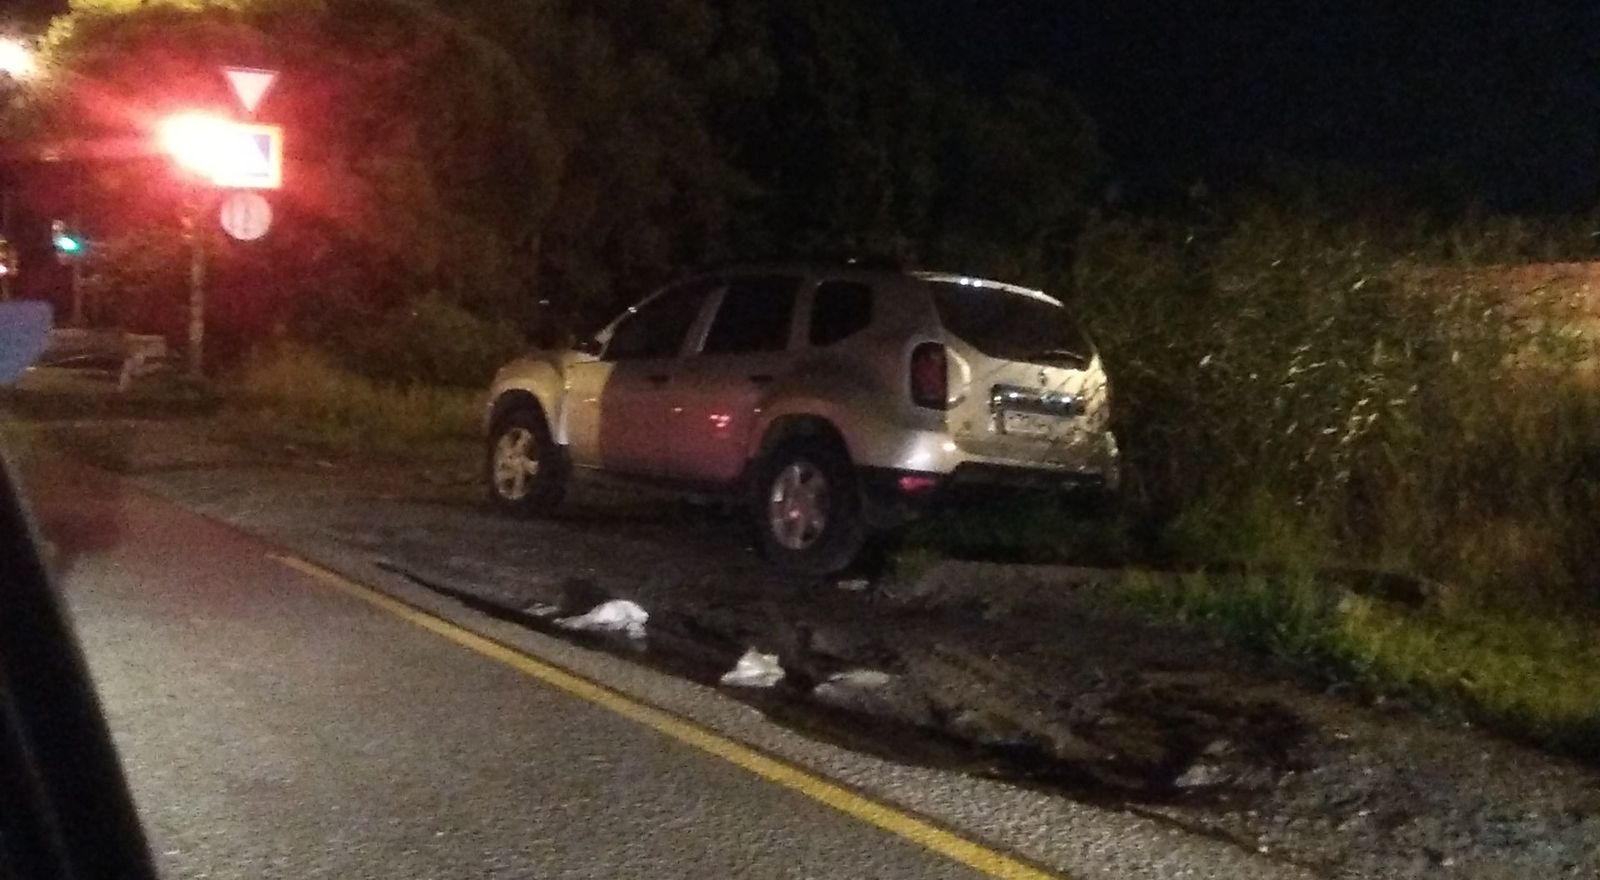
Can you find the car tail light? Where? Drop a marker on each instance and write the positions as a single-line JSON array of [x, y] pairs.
[[930, 378], [916, 484]]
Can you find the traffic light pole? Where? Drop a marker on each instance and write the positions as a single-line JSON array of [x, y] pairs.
[[5, 231], [77, 262], [77, 293]]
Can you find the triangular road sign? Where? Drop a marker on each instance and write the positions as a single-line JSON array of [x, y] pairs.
[[250, 84]]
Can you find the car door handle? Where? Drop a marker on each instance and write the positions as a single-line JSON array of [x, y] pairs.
[[761, 379], [658, 379]]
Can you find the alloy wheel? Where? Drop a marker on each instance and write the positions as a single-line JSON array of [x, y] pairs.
[[797, 506], [516, 463]]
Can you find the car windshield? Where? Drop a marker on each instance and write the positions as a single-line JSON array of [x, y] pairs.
[[1010, 323]]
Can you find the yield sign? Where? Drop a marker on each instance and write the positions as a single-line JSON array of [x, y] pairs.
[[250, 84]]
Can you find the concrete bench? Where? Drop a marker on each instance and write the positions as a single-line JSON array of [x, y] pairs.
[[132, 354]]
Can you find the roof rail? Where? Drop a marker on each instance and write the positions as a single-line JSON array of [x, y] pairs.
[[882, 262], [877, 262]]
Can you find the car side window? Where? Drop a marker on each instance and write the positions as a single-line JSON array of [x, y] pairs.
[[656, 328], [839, 310], [755, 315]]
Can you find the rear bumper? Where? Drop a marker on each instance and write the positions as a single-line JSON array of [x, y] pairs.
[[894, 496], [937, 453]]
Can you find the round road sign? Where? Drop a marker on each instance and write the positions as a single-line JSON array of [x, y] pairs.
[[246, 216]]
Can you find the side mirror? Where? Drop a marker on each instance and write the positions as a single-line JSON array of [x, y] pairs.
[[590, 346]]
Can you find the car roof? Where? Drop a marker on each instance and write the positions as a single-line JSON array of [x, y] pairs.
[[848, 269]]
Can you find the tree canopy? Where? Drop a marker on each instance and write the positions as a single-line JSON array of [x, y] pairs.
[[504, 153]]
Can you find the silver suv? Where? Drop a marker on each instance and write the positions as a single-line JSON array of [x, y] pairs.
[[836, 400]]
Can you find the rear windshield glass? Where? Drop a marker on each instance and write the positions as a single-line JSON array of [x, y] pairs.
[[1010, 326]]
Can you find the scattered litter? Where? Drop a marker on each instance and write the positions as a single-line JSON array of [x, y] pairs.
[[877, 694], [860, 678], [1200, 775], [854, 585], [617, 615], [541, 610], [754, 669]]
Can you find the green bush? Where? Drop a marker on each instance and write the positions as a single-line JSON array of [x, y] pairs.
[[428, 340], [294, 394]]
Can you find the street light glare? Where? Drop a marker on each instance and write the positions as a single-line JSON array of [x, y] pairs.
[[17, 59], [196, 141], [223, 151]]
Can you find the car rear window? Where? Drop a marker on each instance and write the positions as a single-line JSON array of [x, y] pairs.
[[839, 310], [1009, 325]]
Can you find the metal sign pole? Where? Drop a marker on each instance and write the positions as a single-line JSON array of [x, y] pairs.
[[197, 289], [230, 156]]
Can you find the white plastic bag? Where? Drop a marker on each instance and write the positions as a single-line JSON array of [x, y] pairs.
[[754, 669], [618, 615]]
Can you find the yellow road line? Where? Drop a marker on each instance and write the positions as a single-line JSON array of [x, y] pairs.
[[974, 855]]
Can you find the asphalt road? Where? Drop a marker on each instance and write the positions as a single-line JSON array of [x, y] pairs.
[[288, 705], [274, 727]]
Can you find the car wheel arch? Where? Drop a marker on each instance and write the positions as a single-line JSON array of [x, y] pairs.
[[788, 427], [516, 399]]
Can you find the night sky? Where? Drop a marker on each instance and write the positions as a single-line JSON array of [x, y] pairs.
[[1458, 101], [1461, 101]]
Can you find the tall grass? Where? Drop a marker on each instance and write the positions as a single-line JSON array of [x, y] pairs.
[[1291, 387], [1531, 675], [293, 394]]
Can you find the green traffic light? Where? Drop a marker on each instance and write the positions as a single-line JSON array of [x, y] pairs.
[[65, 239]]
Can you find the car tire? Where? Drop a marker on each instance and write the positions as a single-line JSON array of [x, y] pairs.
[[525, 469], [806, 506]]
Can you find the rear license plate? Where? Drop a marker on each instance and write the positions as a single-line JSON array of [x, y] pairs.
[[1025, 424]]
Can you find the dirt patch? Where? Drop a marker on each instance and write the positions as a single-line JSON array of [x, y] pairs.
[[905, 689]]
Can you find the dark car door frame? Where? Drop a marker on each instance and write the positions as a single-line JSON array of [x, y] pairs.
[[65, 810]]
